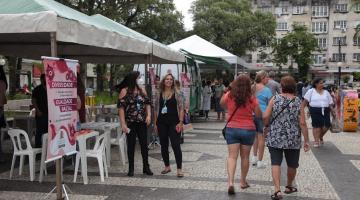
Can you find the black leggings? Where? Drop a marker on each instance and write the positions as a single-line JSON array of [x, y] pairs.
[[139, 130], [167, 131]]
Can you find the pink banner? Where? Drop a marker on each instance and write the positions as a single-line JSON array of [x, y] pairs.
[[61, 86]]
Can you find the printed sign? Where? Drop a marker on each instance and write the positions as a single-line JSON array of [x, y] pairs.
[[61, 85], [351, 112]]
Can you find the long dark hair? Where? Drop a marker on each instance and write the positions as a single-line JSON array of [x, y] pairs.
[[3, 76], [130, 82], [241, 90]]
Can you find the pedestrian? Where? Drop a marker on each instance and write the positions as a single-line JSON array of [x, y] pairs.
[[263, 95], [207, 93], [299, 87], [40, 103], [135, 115], [3, 101], [284, 121], [273, 85], [240, 130], [219, 91], [81, 95], [168, 122], [320, 103], [305, 88]]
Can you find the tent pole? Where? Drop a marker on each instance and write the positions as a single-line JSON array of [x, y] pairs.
[[236, 69], [58, 161]]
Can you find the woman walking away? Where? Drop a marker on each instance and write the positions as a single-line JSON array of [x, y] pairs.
[[319, 101], [134, 113], [263, 95], [240, 129], [168, 120], [284, 121], [207, 93]]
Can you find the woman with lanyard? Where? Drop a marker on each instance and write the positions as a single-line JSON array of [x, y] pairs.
[[320, 102], [135, 116], [168, 122]]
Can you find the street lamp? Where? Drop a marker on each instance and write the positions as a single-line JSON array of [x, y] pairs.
[[339, 64]]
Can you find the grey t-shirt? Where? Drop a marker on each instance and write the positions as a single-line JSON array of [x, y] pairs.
[[274, 86]]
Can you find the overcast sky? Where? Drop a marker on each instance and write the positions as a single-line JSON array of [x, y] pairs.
[[183, 6]]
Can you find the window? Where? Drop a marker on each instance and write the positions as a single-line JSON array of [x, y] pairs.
[[282, 26], [356, 57], [322, 43], [341, 39], [319, 27], [357, 41], [265, 9], [340, 24], [299, 23], [336, 58], [298, 10], [357, 7], [320, 11], [285, 10], [340, 8], [319, 59]]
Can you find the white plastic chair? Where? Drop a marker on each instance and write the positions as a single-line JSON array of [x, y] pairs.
[[43, 157], [97, 152], [19, 150], [120, 141]]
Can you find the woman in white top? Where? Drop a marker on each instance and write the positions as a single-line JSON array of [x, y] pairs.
[[207, 93], [320, 103]]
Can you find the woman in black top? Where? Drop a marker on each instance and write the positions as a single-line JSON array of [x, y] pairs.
[[134, 113], [168, 120]]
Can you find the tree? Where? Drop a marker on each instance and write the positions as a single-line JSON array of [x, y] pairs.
[[232, 25], [157, 19], [297, 46]]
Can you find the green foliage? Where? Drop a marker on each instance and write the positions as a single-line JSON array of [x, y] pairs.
[[346, 78], [297, 46], [356, 76], [232, 25], [157, 19], [105, 98], [18, 96]]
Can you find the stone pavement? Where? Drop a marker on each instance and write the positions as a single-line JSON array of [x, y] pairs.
[[330, 172]]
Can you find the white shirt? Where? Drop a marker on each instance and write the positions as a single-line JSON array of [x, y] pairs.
[[318, 100]]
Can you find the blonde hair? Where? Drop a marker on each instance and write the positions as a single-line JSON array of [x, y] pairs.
[[260, 75], [162, 84]]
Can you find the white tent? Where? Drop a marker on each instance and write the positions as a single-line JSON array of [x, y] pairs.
[[28, 26], [199, 46]]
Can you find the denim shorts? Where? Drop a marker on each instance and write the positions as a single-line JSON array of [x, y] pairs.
[[240, 136], [259, 125]]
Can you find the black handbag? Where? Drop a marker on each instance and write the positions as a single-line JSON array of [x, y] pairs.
[[224, 129]]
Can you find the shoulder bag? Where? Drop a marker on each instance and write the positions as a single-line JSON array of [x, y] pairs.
[[224, 129]]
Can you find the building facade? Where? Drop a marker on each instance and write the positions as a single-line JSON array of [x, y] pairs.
[[333, 23]]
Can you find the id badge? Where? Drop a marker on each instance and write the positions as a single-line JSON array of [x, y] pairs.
[[138, 106], [164, 110]]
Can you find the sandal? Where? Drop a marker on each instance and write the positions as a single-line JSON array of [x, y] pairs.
[[245, 186], [276, 196], [231, 190], [165, 171], [316, 145], [290, 189]]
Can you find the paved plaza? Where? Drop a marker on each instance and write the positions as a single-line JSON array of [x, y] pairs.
[[330, 172]]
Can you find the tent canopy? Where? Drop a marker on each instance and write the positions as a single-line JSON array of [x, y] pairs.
[[199, 46], [25, 27]]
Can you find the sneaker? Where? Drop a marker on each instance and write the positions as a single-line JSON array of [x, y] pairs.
[[254, 160], [260, 164]]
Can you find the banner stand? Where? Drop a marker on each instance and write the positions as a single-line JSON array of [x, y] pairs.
[[63, 187]]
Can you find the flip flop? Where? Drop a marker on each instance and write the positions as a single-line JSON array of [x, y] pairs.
[[290, 189], [276, 196], [231, 190], [165, 171], [245, 186]]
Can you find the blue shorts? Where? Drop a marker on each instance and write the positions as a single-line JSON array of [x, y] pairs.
[[239, 136], [259, 125]]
